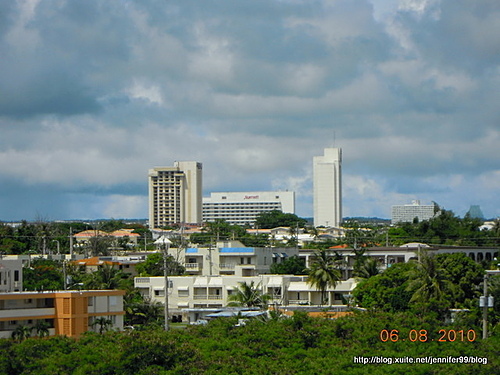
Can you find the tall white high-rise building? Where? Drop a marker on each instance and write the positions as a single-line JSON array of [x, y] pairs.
[[175, 194], [327, 188]]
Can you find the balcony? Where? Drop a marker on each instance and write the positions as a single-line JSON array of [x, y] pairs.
[[193, 267], [18, 314], [207, 297], [226, 266]]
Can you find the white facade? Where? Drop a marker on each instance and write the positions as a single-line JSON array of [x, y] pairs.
[[242, 208], [11, 275], [187, 292], [228, 259], [175, 194], [408, 212], [327, 187]]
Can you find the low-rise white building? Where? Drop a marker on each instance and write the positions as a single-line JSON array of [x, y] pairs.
[[231, 258], [11, 275]]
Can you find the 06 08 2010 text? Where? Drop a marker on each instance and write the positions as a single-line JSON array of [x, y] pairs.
[[422, 335]]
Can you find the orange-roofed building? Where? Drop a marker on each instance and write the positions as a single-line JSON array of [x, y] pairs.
[[122, 263], [117, 235]]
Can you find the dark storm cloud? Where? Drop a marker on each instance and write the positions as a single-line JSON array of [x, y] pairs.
[[94, 93]]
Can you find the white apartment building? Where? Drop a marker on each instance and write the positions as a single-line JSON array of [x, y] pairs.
[[327, 188], [230, 259], [191, 292], [409, 212], [175, 194], [11, 275], [242, 208]]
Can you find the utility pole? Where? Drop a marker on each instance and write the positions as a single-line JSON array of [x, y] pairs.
[[485, 307], [210, 257], [166, 243], [71, 243], [65, 275], [486, 301]]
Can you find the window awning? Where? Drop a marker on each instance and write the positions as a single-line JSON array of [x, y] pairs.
[[299, 287], [215, 281], [274, 282]]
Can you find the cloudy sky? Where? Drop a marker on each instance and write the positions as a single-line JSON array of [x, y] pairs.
[[94, 93]]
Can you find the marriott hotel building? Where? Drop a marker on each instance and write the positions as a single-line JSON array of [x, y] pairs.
[[242, 208]]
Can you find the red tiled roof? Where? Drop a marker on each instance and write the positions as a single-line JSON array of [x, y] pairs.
[[90, 233]]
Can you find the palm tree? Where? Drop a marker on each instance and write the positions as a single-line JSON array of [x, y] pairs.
[[106, 277], [42, 328], [428, 283], [364, 266], [21, 333], [103, 323], [144, 312], [323, 272], [248, 295]]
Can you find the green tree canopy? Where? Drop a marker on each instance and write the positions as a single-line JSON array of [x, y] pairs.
[[445, 228], [106, 277], [429, 286], [44, 274], [153, 266], [290, 266], [276, 218], [387, 291], [434, 284], [465, 278]]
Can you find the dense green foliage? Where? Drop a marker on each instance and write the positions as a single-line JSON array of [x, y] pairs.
[[446, 228], [43, 274], [276, 218], [154, 263], [298, 345], [293, 265], [49, 237], [429, 286]]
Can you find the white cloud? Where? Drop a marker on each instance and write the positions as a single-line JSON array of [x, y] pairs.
[[125, 206], [101, 91]]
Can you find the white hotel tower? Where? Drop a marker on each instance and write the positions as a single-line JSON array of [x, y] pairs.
[[327, 188]]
